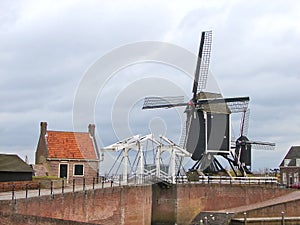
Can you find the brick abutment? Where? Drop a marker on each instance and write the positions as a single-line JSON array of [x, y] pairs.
[[135, 205]]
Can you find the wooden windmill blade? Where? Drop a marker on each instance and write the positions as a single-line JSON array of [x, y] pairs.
[[203, 60], [223, 105], [245, 123], [236, 100], [183, 136], [200, 78], [238, 106], [163, 102], [262, 145]]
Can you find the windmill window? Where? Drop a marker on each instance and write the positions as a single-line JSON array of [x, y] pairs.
[[78, 170]]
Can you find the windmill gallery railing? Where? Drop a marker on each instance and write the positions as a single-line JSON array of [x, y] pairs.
[[18, 190]]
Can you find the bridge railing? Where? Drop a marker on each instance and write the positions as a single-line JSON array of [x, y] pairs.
[[51, 187], [228, 180]]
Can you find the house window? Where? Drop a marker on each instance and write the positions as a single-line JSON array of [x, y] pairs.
[[286, 162], [296, 178], [284, 178], [78, 170], [298, 162]]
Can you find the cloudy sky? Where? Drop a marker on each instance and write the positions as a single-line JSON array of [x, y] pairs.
[[47, 49]]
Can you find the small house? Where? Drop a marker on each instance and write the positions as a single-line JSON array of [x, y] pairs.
[[69, 155], [290, 167], [13, 168]]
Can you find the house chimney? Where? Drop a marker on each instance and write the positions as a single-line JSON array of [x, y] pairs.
[[43, 128], [92, 130]]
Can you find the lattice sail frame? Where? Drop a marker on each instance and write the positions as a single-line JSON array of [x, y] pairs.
[[205, 60]]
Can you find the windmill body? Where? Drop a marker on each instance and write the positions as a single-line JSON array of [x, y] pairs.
[[208, 128], [243, 151], [208, 114], [243, 146]]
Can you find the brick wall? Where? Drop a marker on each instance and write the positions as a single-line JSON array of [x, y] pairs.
[[9, 219], [137, 205], [191, 199], [118, 205], [18, 185], [291, 209]]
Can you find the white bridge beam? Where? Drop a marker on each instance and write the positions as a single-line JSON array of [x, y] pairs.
[[137, 144]]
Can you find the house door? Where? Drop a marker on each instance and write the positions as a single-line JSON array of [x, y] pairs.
[[63, 170], [291, 180]]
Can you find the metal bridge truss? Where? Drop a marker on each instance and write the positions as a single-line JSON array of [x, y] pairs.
[[155, 170]]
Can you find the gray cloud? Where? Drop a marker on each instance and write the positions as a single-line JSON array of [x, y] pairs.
[[46, 49]]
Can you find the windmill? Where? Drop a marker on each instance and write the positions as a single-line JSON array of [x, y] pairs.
[[207, 131], [243, 146]]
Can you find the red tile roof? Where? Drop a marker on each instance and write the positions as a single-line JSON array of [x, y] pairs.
[[70, 145]]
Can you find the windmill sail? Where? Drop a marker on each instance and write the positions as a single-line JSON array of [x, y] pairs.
[[245, 123], [163, 102], [261, 145], [202, 66]]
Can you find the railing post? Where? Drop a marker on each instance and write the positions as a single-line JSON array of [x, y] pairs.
[[39, 187], [282, 218], [73, 185], [62, 186], [51, 187], [26, 190], [83, 184], [13, 192], [205, 220], [227, 217]]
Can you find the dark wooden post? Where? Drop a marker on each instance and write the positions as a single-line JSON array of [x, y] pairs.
[[83, 184], [26, 190], [13, 192], [39, 187], [62, 186], [282, 218], [245, 218], [51, 187], [73, 185]]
